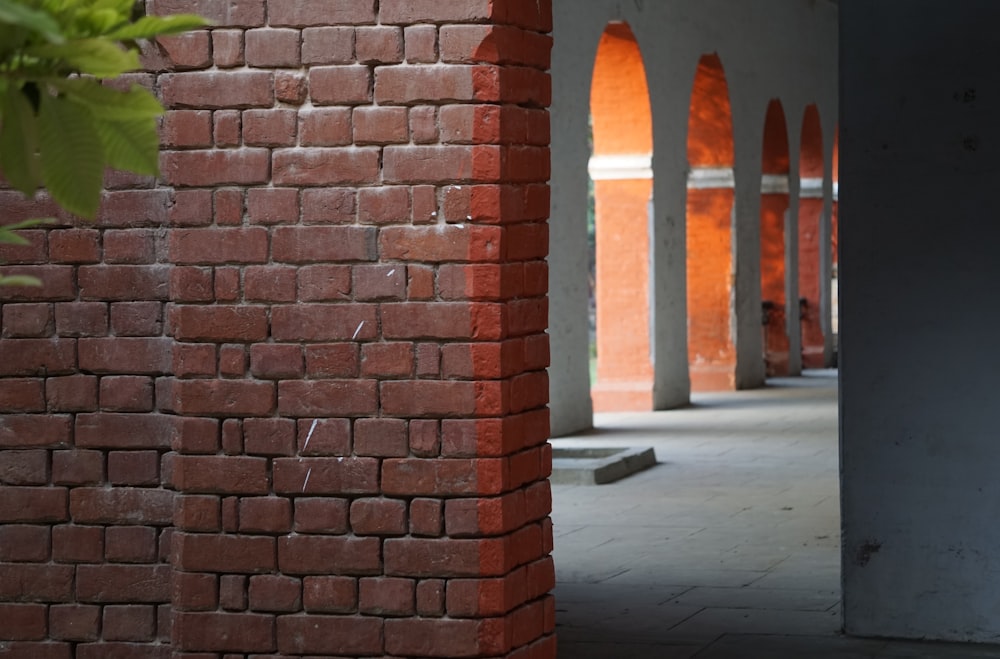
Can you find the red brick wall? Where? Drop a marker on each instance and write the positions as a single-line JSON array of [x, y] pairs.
[[324, 332]]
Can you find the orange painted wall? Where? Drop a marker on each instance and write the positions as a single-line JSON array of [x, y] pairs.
[[711, 352], [622, 124]]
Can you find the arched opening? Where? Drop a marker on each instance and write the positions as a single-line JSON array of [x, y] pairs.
[[711, 345], [621, 170], [773, 214], [811, 170]]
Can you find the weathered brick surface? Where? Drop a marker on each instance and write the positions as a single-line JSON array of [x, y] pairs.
[[290, 398]]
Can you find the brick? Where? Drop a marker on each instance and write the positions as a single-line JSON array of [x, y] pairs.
[[240, 324], [340, 85], [74, 246], [130, 544], [223, 632], [334, 360], [272, 361], [412, 84], [265, 515], [30, 430], [330, 594], [129, 623], [114, 430], [224, 553], [337, 398], [81, 318], [57, 283], [219, 245], [379, 44], [316, 166], [226, 131], [445, 638], [194, 591], [271, 437], [323, 244], [135, 246], [272, 206], [291, 87], [328, 45], [22, 622], [384, 205], [322, 322], [32, 504], [74, 622], [186, 129], [77, 467], [426, 517], [341, 555], [134, 468], [29, 467], [27, 320], [21, 543], [233, 592], [275, 593], [33, 252], [126, 393], [36, 583], [338, 12], [124, 282], [378, 516], [247, 166], [324, 283], [219, 398], [269, 284], [387, 596], [325, 476], [379, 282], [387, 360], [328, 206], [380, 125], [324, 437], [220, 474], [272, 47], [439, 243], [424, 128], [381, 438], [136, 318], [420, 44], [428, 398], [121, 505], [227, 48], [123, 583], [275, 127], [325, 126], [203, 89], [321, 515], [324, 635]]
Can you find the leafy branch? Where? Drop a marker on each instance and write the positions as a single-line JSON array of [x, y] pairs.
[[60, 127]]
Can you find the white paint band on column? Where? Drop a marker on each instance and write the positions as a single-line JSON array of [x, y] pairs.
[[621, 167], [774, 184], [709, 178]]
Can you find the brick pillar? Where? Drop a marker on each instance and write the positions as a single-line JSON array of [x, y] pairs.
[[84, 516], [710, 198], [773, 211], [359, 309], [810, 235]]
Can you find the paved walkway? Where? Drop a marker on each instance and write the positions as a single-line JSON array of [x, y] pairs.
[[728, 548]]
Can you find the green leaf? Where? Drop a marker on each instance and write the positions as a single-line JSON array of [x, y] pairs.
[[130, 145], [20, 280], [19, 142], [15, 13], [108, 102], [72, 155], [98, 57], [154, 26]]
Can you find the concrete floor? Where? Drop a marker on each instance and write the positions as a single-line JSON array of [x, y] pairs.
[[728, 548]]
